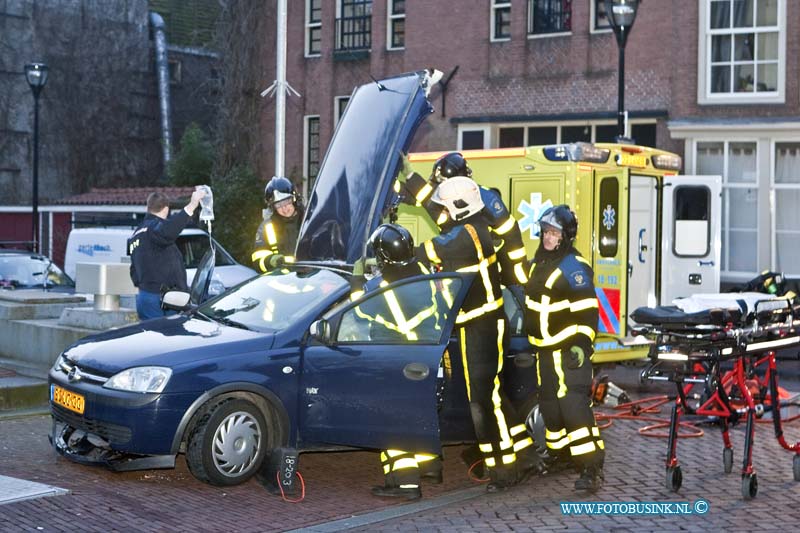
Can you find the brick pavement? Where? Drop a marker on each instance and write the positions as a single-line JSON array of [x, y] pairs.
[[338, 483]]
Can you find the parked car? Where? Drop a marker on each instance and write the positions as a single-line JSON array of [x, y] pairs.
[[109, 245], [284, 360], [21, 269]]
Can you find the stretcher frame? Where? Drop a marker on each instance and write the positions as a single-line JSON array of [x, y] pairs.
[[691, 355]]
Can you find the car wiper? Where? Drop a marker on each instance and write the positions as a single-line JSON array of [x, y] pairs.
[[228, 322]]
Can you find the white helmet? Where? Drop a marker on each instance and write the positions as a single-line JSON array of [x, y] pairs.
[[460, 196]]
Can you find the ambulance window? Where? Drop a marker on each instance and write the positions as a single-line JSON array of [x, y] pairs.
[[608, 213], [542, 136], [472, 140], [512, 137], [574, 134], [691, 215]]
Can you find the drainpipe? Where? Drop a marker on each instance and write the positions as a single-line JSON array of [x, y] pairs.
[[162, 73]]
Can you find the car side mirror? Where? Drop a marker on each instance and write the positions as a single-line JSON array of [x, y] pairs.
[[175, 300], [321, 331]]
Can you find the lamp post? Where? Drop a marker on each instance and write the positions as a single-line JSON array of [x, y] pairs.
[[621, 14], [36, 74]]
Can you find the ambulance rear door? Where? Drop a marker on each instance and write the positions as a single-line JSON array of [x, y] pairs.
[[691, 232], [642, 242]]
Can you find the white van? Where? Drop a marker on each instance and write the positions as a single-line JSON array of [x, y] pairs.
[[109, 245]]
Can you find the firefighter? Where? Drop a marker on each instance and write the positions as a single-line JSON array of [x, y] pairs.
[[466, 246], [393, 247], [276, 237], [505, 229], [561, 325]]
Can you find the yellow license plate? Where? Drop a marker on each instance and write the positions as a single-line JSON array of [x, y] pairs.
[[70, 400]]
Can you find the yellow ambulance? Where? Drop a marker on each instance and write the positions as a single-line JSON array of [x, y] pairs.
[[651, 234]]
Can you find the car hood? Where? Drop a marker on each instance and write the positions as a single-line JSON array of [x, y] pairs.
[[353, 189], [169, 342]]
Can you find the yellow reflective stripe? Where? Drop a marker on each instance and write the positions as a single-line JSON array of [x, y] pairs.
[[519, 270], [462, 337], [505, 437], [430, 251], [522, 444], [448, 298], [516, 430], [562, 384], [580, 433], [423, 193], [424, 457], [530, 272], [600, 444], [492, 259], [395, 453], [485, 448], [288, 259], [538, 369], [564, 334], [355, 295], [269, 234], [582, 449], [553, 435], [397, 185], [387, 469], [559, 444], [442, 218], [552, 279], [579, 305], [583, 260], [506, 226], [508, 459], [399, 317], [490, 462], [261, 256], [485, 308], [402, 464], [596, 431], [544, 316], [517, 254]]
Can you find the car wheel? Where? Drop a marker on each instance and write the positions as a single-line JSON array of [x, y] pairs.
[[227, 443]]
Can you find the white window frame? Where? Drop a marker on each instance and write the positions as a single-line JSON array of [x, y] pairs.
[[528, 24], [493, 8], [306, 130], [593, 15], [336, 104], [485, 128], [704, 95], [495, 127], [389, 19], [774, 188], [308, 27]]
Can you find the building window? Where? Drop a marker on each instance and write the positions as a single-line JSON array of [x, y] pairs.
[[786, 198], [736, 163], [311, 151], [396, 25], [339, 105], [600, 22], [549, 16], [501, 20], [644, 134], [743, 46], [313, 27], [353, 25], [473, 138]]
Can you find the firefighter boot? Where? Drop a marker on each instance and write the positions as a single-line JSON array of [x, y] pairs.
[[407, 492], [502, 478], [591, 479], [553, 463], [431, 470]]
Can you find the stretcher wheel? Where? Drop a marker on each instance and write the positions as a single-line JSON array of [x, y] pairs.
[[749, 486], [727, 460], [674, 478], [796, 467]]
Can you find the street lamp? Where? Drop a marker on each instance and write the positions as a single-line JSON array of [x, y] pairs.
[[621, 14], [36, 74]]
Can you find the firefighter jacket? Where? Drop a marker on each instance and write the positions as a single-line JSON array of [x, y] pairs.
[[156, 261], [393, 320], [505, 229], [276, 235], [468, 247], [561, 303]]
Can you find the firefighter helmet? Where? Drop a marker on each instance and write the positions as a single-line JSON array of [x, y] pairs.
[[561, 218], [460, 195], [392, 244], [279, 189], [449, 165]]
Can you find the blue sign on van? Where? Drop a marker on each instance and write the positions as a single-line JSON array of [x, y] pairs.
[[90, 249]]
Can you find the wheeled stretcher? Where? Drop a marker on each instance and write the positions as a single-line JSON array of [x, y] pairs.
[[690, 346]]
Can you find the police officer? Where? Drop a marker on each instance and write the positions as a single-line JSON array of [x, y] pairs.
[[393, 247], [505, 229], [466, 245], [156, 262], [276, 237], [561, 324]]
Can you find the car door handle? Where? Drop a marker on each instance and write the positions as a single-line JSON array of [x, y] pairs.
[[642, 246], [416, 371]]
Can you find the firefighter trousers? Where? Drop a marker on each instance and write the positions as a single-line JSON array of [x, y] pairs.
[[482, 341], [565, 404]]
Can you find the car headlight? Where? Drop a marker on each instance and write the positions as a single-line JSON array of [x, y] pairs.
[[58, 363], [215, 288], [140, 379]]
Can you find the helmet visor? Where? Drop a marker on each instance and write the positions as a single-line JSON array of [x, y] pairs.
[[283, 202]]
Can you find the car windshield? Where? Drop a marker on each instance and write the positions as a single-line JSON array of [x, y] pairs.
[[274, 300], [193, 247], [29, 271]]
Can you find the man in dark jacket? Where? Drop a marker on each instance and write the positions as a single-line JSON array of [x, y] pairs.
[[156, 261]]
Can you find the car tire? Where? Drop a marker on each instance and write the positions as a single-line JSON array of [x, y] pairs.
[[228, 442]]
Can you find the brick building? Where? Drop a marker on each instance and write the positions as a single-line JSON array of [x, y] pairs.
[[713, 80]]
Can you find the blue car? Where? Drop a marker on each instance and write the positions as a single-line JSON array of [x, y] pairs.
[[286, 360]]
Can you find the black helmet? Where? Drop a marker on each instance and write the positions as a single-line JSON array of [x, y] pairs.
[[392, 244], [561, 218], [449, 165], [279, 189]]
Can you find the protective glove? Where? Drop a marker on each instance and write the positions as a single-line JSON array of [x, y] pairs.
[[275, 261], [576, 357], [358, 267], [405, 168]]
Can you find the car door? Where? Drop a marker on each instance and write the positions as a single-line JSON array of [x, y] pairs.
[[366, 384]]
